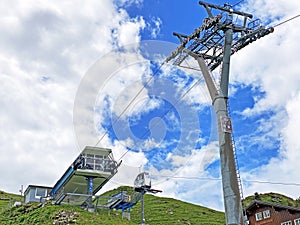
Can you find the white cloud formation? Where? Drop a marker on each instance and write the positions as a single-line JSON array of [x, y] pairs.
[[189, 172], [128, 2], [270, 64], [129, 30], [46, 46], [284, 168], [156, 29], [191, 93]]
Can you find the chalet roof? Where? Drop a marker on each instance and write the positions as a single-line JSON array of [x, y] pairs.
[[255, 204]]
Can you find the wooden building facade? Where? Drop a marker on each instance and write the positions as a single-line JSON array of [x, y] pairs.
[[265, 213]]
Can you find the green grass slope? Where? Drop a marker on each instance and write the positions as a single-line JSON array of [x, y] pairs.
[[170, 211], [164, 211], [7, 200], [274, 198], [167, 211], [36, 214], [158, 211]]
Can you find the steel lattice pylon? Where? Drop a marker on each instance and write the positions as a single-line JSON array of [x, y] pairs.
[[207, 41], [212, 45]]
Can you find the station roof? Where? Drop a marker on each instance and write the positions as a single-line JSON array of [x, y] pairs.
[[31, 186], [96, 151]]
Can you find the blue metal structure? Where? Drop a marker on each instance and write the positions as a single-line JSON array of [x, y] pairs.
[[142, 185], [123, 201]]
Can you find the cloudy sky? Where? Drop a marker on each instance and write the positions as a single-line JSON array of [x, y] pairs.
[[77, 73]]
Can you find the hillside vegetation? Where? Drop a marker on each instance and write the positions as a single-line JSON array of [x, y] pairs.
[[7, 200], [274, 198], [158, 211]]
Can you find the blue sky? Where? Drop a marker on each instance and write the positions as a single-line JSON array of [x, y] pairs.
[[64, 82], [179, 16]]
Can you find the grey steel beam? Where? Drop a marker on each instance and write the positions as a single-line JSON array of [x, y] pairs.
[[212, 44], [231, 194], [229, 10], [212, 89]]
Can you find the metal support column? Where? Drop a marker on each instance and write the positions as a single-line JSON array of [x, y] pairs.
[[211, 45], [90, 184], [231, 193], [143, 209]]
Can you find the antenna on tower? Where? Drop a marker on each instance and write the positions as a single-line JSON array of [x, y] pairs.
[[21, 190]]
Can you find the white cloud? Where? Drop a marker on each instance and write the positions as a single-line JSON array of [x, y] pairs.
[[128, 32], [128, 2], [284, 168], [156, 29], [271, 65], [199, 158], [193, 93], [46, 46], [274, 11], [186, 174]]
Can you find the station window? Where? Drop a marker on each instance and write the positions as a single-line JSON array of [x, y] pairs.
[[287, 223], [39, 192], [90, 161], [99, 167], [98, 159], [258, 216], [266, 214], [297, 221], [98, 162]]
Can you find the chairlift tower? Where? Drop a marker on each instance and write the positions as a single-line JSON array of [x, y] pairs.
[[142, 184], [212, 45]]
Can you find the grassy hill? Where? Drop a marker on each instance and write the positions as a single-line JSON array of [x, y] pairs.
[[7, 200], [158, 211], [274, 198], [35, 213]]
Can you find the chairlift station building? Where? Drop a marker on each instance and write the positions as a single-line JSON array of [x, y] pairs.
[[90, 171]]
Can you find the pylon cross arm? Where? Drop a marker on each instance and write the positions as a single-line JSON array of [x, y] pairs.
[[208, 40]]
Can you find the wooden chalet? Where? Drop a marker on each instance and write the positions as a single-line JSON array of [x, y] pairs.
[[265, 213]]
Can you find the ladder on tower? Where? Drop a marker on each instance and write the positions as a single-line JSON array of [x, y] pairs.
[[237, 168], [236, 160]]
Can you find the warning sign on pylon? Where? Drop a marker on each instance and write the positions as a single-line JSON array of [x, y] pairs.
[[226, 124]]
